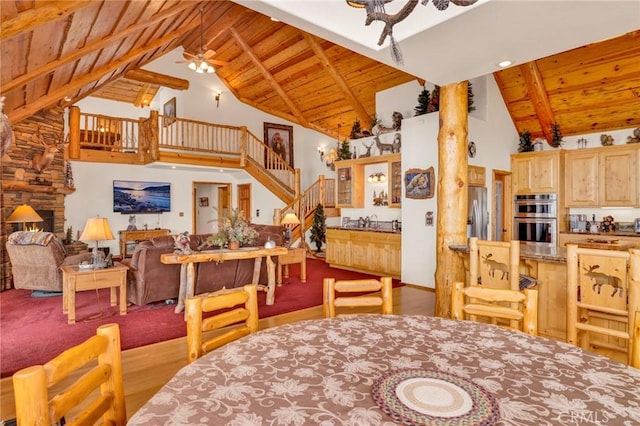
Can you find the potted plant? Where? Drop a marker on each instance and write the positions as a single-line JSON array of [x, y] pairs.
[[318, 229], [234, 232]]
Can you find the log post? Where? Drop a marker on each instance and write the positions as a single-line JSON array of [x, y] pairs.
[[154, 141], [451, 192], [74, 133]]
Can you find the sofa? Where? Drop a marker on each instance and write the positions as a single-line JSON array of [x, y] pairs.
[[36, 258], [149, 280]]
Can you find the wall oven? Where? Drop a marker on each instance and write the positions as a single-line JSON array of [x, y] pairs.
[[535, 219]]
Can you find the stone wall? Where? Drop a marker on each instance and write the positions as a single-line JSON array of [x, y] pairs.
[[22, 184]]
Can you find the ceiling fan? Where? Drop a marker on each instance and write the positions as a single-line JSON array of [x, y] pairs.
[[201, 62]]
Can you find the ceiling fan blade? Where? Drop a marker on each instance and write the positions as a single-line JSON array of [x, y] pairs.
[[217, 62], [188, 55], [209, 53]]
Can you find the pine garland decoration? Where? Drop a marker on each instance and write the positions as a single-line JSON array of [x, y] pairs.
[[356, 130], [344, 151], [525, 142], [423, 102], [434, 104], [556, 136]]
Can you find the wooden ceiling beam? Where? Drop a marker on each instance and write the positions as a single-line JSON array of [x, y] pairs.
[[227, 22], [145, 76], [99, 44], [78, 83], [267, 75], [140, 97], [43, 13], [538, 94], [326, 63]]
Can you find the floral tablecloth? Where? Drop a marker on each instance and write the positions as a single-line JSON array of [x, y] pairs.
[[323, 372]]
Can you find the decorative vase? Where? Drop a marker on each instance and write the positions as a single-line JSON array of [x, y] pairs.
[[234, 245]]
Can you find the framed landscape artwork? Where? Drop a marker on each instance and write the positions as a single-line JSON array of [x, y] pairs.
[[419, 183], [279, 138], [170, 112]]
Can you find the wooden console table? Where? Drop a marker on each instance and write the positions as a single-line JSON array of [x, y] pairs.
[[138, 235], [188, 275], [75, 280]]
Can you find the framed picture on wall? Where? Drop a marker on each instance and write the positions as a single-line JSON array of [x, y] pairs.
[[169, 111], [204, 201], [419, 183], [279, 138]]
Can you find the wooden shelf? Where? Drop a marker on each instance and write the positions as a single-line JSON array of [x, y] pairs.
[[369, 160], [13, 185]]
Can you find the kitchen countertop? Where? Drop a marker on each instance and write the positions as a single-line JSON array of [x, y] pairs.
[[530, 252], [380, 230], [609, 234]]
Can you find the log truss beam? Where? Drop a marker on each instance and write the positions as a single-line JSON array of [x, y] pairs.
[[538, 94], [43, 12], [151, 77], [300, 118]]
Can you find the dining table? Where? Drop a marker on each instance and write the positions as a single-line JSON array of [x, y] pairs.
[[396, 369]]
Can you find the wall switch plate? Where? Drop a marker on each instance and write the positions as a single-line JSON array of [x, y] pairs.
[[257, 212]]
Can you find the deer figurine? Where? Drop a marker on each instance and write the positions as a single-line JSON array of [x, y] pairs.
[[368, 153], [40, 161]]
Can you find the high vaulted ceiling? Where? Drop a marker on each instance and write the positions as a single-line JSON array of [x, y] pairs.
[[72, 49]]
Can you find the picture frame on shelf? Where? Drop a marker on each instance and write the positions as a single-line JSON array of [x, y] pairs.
[[419, 183], [169, 111], [278, 137]]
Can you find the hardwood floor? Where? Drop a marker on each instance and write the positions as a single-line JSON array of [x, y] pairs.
[[147, 368]]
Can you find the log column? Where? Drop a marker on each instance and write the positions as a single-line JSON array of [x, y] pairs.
[[451, 192]]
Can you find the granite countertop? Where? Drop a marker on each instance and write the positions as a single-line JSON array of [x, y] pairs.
[[608, 234], [380, 230], [531, 252]]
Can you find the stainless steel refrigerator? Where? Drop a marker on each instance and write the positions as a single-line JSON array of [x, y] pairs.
[[478, 213]]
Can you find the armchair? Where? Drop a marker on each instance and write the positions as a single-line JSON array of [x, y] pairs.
[[36, 258]]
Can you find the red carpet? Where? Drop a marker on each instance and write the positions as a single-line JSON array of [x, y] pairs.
[[34, 330]]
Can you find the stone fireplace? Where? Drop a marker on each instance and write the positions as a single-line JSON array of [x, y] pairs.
[[22, 184]]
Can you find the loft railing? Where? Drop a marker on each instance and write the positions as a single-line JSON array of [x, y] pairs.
[[146, 137]]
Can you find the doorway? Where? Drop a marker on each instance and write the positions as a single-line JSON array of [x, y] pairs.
[[244, 201], [211, 201], [502, 213]]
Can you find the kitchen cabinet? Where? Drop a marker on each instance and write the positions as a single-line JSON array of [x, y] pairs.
[[349, 185], [603, 177], [370, 252], [395, 182], [537, 172], [565, 238], [476, 176]]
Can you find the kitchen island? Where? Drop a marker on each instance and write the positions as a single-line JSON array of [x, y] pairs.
[[373, 250]]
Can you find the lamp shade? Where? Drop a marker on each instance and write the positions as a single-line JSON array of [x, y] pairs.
[[97, 229], [24, 213], [290, 219]]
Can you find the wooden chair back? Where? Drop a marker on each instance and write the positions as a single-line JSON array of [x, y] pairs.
[[32, 385], [384, 299], [245, 302], [635, 347], [603, 295], [489, 303], [495, 264]]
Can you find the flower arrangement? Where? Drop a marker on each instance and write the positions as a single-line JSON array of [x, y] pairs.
[[235, 229]]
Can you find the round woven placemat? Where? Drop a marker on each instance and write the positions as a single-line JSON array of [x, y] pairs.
[[433, 397]]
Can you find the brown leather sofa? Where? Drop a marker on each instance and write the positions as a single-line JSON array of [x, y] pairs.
[[150, 280]]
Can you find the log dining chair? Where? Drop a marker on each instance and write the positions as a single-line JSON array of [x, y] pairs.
[[496, 264], [603, 297], [44, 394], [485, 302], [334, 302], [244, 315]]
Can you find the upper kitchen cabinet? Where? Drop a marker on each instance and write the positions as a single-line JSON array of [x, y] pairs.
[[349, 184], [537, 172], [603, 177]]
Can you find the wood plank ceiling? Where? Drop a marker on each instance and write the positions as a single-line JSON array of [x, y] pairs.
[[72, 49]]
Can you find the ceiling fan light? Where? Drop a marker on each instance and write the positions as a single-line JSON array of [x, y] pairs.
[[210, 69], [200, 70], [192, 66]]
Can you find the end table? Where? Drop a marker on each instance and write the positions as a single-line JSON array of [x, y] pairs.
[[294, 255]]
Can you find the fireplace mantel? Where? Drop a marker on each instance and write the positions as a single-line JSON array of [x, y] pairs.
[[15, 185]]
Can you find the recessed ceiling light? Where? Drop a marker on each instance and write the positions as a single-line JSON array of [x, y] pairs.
[[173, 167], [67, 98], [504, 64]]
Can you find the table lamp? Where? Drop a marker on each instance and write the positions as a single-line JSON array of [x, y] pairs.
[[97, 229], [23, 214], [289, 220]]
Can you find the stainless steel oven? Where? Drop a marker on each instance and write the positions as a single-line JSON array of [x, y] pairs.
[[535, 219]]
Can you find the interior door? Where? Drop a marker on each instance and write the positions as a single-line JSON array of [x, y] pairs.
[[224, 202], [244, 200], [502, 212]]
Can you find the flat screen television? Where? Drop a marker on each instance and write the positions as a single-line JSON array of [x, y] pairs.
[[141, 197]]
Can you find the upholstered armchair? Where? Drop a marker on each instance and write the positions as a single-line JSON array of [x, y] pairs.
[[36, 258]]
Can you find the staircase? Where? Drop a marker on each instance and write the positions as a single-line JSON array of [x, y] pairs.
[[322, 191]]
